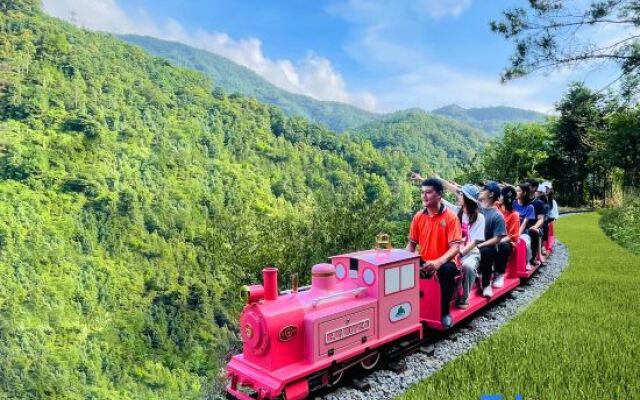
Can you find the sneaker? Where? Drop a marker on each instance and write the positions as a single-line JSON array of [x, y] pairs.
[[447, 321], [487, 292], [498, 281], [529, 267], [462, 303]]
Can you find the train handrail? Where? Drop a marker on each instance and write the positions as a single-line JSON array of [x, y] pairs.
[[300, 289], [355, 291]]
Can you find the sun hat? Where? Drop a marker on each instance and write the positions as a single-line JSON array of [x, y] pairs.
[[470, 191], [543, 188]]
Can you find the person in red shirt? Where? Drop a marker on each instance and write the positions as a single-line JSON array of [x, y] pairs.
[[508, 243], [436, 231]]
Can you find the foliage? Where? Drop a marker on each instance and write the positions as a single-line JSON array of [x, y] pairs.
[[579, 340], [134, 200], [621, 146], [235, 78], [490, 120], [571, 161], [551, 34], [623, 224], [434, 144], [520, 153], [590, 151]]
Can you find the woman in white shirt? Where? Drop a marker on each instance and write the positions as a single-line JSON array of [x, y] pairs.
[[472, 223]]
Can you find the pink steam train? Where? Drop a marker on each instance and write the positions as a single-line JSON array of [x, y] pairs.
[[358, 306]]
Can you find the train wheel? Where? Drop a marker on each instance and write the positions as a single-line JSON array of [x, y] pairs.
[[371, 361]]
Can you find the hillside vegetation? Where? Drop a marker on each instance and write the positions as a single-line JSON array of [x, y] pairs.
[[134, 201], [490, 120], [433, 143], [234, 78], [622, 224]]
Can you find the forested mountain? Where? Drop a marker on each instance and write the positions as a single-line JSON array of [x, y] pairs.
[[433, 143], [134, 200], [489, 119], [234, 78]]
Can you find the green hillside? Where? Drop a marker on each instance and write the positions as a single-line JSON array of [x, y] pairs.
[[433, 143], [234, 78], [134, 202], [489, 119]]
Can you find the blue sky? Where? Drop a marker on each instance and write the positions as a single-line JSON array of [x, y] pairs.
[[376, 54]]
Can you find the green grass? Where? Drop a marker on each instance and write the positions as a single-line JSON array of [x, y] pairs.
[[580, 340]]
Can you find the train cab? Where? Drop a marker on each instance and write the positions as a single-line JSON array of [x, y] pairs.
[[391, 277]]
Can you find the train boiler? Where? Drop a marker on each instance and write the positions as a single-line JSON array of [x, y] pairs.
[[303, 339]]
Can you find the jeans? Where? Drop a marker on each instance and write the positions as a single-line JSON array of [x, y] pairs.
[[487, 258], [504, 251], [470, 264], [535, 244]]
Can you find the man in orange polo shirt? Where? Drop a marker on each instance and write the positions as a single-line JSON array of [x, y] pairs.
[[436, 230]]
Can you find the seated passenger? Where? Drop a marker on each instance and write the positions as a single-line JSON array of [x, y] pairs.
[[508, 243], [527, 217], [436, 231], [535, 229], [473, 228], [494, 231], [552, 213]]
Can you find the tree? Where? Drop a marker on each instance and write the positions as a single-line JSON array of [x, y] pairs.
[[519, 154], [27, 6], [623, 144], [548, 34], [571, 161]]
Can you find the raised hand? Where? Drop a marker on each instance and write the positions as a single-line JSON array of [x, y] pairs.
[[415, 177]]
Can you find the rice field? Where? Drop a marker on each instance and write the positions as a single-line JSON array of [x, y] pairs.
[[580, 340]]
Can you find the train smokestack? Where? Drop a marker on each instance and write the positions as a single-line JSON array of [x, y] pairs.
[[270, 278]]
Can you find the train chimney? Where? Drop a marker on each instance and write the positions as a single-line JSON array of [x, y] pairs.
[[323, 277], [270, 277]]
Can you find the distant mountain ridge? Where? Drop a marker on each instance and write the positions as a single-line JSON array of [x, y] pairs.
[[234, 78], [489, 119]]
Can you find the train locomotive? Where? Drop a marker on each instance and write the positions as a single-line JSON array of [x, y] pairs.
[[357, 306]]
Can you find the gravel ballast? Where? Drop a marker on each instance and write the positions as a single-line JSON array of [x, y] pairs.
[[387, 384]]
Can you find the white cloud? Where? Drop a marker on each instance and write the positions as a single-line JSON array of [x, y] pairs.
[[434, 85], [313, 76]]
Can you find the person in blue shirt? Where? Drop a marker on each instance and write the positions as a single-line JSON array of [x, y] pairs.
[[522, 204]]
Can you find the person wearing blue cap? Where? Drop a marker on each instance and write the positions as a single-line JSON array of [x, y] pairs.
[[495, 231]]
